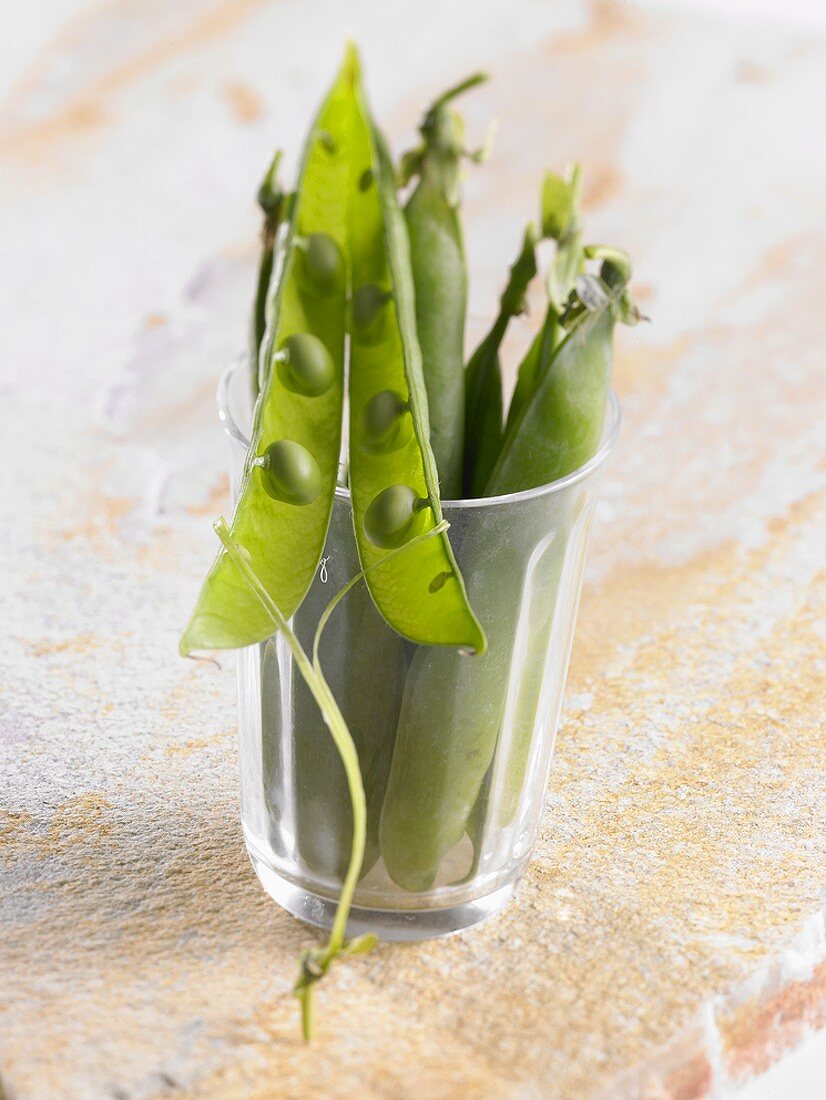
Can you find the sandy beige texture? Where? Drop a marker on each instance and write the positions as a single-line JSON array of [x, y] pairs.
[[668, 938]]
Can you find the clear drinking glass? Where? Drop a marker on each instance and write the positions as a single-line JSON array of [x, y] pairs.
[[483, 727]]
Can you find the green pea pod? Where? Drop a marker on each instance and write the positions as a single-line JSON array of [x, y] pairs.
[[559, 427], [560, 222], [393, 478], [570, 393], [539, 352], [483, 375], [273, 202], [435, 780], [364, 666], [283, 510], [449, 721], [440, 277], [483, 415]]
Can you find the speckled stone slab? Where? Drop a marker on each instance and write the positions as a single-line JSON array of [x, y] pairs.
[[667, 940]]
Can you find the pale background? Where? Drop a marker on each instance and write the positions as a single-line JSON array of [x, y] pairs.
[[668, 938]]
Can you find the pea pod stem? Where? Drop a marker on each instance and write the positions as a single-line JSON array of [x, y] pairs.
[[316, 962], [472, 81]]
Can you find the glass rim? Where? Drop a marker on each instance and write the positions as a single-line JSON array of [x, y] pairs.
[[610, 431]]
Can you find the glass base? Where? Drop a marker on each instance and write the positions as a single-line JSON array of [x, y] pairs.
[[398, 925]]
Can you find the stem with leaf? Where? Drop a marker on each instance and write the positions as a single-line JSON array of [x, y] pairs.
[[315, 962]]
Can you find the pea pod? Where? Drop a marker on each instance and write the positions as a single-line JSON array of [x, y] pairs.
[[483, 375], [367, 687], [435, 782], [393, 478], [571, 395], [538, 353], [273, 202], [450, 716], [283, 510], [440, 277], [560, 222]]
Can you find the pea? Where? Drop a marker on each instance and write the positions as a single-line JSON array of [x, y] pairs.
[[367, 314], [434, 780], [321, 264], [390, 516], [290, 473], [305, 365], [367, 687], [385, 426], [439, 764]]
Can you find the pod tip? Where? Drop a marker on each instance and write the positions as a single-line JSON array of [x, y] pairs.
[[351, 65]]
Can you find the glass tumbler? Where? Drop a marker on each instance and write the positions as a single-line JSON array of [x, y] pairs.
[[454, 750]]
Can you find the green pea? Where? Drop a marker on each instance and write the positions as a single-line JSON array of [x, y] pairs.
[[391, 516], [367, 687], [385, 426], [322, 265], [305, 365], [271, 194], [368, 317], [290, 473]]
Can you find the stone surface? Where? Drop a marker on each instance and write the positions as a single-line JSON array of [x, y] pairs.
[[668, 938]]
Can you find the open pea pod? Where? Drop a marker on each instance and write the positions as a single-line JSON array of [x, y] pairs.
[[283, 509], [393, 479]]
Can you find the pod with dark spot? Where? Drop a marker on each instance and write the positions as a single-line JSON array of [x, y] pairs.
[[385, 355], [285, 543]]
